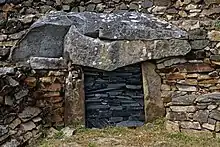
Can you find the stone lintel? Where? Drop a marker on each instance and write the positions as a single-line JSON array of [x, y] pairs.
[[103, 41]]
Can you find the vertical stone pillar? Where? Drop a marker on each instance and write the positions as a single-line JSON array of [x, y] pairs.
[[74, 98], [153, 103]]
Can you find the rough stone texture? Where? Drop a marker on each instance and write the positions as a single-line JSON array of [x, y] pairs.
[[191, 111], [209, 126], [199, 18], [29, 113], [47, 63], [7, 70], [27, 126], [211, 97], [214, 35], [74, 98], [153, 103], [111, 55], [190, 125], [183, 100], [68, 132], [201, 116], [186, 88], [199, 44], [12, 143], [24, 107], [176, 116], [215, 114], [172, 126], [50, 45], [114, 98], [189, 68], [132, 37], [183, 108]]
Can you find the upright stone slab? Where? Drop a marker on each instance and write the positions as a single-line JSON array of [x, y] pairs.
[[74, 99], [153, 103]]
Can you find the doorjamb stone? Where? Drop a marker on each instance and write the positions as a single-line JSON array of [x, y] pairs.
[[153, 103]]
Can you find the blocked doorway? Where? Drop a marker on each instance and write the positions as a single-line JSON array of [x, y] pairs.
[[114, 98]]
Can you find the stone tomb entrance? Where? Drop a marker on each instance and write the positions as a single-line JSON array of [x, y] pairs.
[[107, 42], [114, 98]]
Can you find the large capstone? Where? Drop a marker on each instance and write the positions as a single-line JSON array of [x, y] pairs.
[[103, 41]]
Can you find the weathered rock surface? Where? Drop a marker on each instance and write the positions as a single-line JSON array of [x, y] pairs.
[[190, 125], [107, 55], [12, 143], [215, 114], [74, 99], [201, 116], [7, 70], [43, 41], [3, 130], [104, 41], [184, 100], [47, 63], [153, 103], [211, 97], [28, 126], [28, 113]]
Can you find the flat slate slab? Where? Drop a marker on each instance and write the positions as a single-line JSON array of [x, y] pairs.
[[103, 41]]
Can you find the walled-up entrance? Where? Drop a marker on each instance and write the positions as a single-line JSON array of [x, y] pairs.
[[114, 98]]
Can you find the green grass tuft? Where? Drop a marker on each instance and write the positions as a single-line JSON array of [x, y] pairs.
[[59, 135], [217, 24], [91, 144]]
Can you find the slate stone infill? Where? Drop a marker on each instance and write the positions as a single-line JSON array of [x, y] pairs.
[[103, 41]]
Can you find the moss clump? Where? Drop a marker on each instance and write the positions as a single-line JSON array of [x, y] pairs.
[[217, 24]]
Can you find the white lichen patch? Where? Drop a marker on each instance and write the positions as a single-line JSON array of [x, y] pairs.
[[135, 20], [149, 55]]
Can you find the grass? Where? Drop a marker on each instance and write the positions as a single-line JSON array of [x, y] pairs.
[[59, 135], [217, 24], [149, 135]]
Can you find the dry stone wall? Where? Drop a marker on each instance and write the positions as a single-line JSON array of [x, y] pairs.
[[187, 85], [190, 93], [29, 99]]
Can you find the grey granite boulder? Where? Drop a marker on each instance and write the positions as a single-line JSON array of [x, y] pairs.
[[104, 41]]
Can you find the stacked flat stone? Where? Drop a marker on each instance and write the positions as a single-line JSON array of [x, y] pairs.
[[114, 98], [195, 112], [198, 73], [27, 101], [189, 91]]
